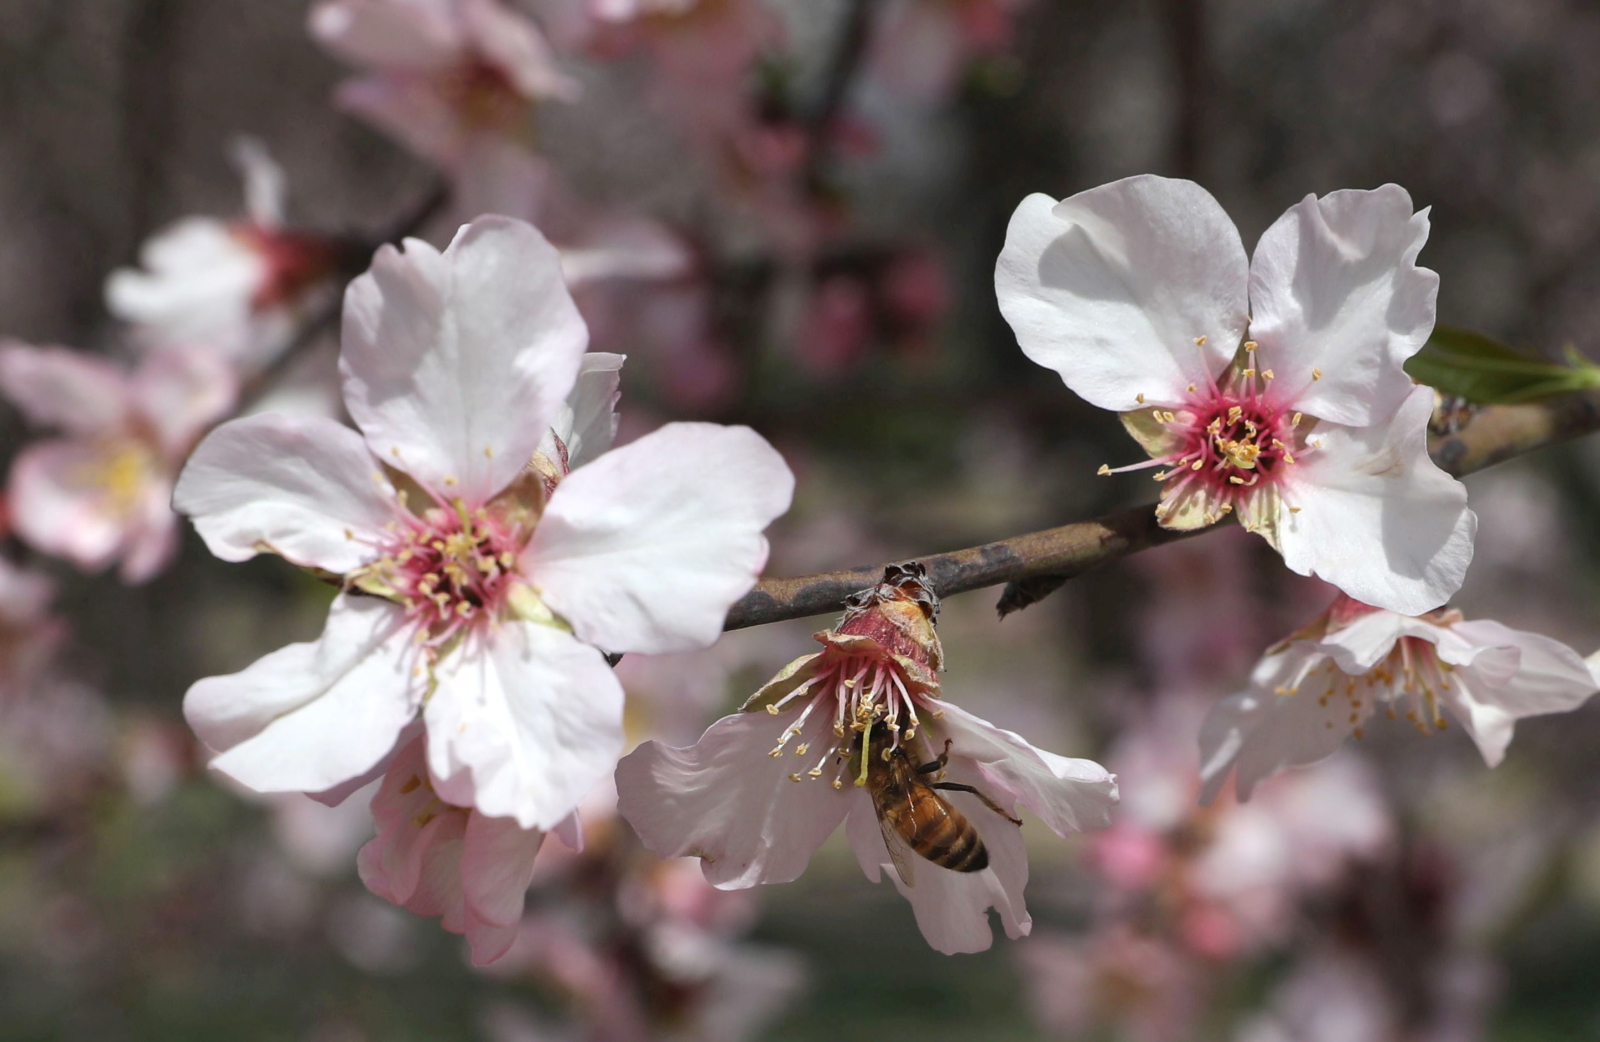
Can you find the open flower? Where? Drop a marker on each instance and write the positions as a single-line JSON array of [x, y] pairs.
[[1325, 682], [239, 286], [447, 75], [1310, 432], [434, 858], [856, 733], [485, 553], [101, 493]]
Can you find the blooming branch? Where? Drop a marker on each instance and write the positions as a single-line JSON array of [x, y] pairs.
[[1036, 564]]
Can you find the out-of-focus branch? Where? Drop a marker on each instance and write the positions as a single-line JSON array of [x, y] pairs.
[[836, 82], [354, 259], [1035, 564]]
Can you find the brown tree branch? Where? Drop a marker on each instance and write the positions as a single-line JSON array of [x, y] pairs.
[[1039, 562]]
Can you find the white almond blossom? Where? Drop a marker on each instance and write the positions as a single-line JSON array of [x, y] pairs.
[[761, 790], [487, 544], [238, 287], [1325, 682], [1272, 389]]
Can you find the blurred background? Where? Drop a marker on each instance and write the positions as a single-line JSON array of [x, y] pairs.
[[787, 215]]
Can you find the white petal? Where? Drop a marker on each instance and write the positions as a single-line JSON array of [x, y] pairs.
[[496, 868], [303, 487], [181, 392], [1068, 795], [454, 364], [729, 803], [264, 182], [1334, 286], [1377, 518], [952, 908], [1550, 677], [1261, 732], [311, 716], [59, 387], [523, 723], [646, 548], [151, 540], [198, 286], [1471, 702], [1111, 288], [587, 422], [381, 33]]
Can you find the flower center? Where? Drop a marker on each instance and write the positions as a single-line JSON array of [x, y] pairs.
[[864, 691], [1411, 672], [125, 469], [449, 568]]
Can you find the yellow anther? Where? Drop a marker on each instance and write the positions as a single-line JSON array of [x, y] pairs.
[[1139, 398], [1295, 420], [1249, 374], [1249, 347], [1316, 374], [837, 784], [1105, 468], [488, 452], [1266, 374], [1197, 464], [800, 750], [1234, 412], [1191, 388], [1199, 341]]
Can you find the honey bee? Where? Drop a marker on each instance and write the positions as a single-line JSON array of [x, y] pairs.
[[914, 817]]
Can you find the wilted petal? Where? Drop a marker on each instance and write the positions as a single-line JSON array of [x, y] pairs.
[[646, 548], [522, 725], [1068, 795], [728, 802], [456, 363], [496, 868], [1376, 517], [952, 908], [311, 716], [59, 387], [303, 487], [1112, 287], [1335, 287], [587, 421]]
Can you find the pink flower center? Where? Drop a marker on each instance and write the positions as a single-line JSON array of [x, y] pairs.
[[450, 569], [863, 692], [1412, 672]]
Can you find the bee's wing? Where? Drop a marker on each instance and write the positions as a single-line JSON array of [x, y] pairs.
[[899, 852]]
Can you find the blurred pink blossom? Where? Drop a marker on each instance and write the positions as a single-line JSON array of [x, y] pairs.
[[1144, 989], [101, 493], [240, 287], [443, 75]]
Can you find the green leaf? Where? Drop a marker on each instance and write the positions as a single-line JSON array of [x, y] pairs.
[[1480, 369]]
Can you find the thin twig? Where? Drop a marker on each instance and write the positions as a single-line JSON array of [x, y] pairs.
[[1051, 557], [820, 122]]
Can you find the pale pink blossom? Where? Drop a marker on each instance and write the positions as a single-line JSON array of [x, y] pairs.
[[240, 287], [1271, 389], [761, 790], [488, 544], [434, 858], [100, 493], [1323, 684], [445, 77], [1145, 989], [922, 47]]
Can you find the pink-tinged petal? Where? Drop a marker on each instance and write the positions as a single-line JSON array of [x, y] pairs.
[[410, 35], [303, 487], [646, 548], [455, 364], [59, 387], [523, 724], [339, 793], [1259, 732], [410, 818], [728, 802], [1550, 677], [62, 502], [1376, 517], [1068, 795], [587, 422], [151, 541], [1112, 287], [311, 716], [411, 112], [1335, 288], [952, 908], [496, 868], [514, 45], [181, 393]]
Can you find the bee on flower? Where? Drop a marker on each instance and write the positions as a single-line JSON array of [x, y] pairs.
[[859, 734]]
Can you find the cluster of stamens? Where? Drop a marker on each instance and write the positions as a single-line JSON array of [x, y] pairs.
[[1229, 439], [864, 692], [1412, 672], [450, 568]]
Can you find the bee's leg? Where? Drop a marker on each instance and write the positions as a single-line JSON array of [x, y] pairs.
[[939, 764], [950, 786]]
